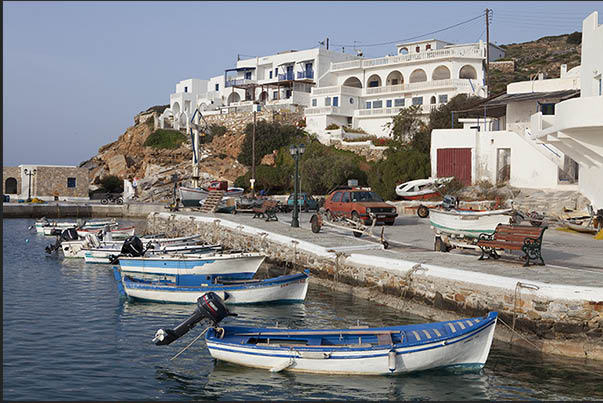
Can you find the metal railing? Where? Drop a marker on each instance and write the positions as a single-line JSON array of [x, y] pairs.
[[286, 76], [337, 89], [305, 74], [238, 81]]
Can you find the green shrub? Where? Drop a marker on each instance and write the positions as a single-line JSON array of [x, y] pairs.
[[453, 187], [575, 38], [214, 131], [332, 126], [268, 137], [165, 139], [352, 130], [112, 184], [400, 166]]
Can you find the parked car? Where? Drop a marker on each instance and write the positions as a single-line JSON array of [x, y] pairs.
[[304, 200], [357, 203]]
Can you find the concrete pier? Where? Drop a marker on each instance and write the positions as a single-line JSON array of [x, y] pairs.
[[554, 309], [77, 210]]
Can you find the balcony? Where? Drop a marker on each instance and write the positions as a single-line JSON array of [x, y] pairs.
[[449, 83], [468, 52], [308, 74], [337, 90], [285, 77], [323, 110], [382, 112], [239, 81]]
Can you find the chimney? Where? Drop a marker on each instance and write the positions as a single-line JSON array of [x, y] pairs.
[[563, 70]]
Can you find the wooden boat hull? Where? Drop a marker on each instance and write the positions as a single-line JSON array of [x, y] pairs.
[[467, 347], [234, 266], [467, 224], [291, 288]]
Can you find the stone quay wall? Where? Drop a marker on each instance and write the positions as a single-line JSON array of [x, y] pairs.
[[552, 319]]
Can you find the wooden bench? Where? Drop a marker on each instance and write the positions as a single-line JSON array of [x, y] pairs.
[[268, 209], [526, 238]]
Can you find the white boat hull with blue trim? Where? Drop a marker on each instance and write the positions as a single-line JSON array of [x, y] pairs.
[[106, 255], [466, 223], [241, 265], [379, 351], [290, 288]]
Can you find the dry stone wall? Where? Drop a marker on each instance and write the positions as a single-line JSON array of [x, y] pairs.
[[552, 326]]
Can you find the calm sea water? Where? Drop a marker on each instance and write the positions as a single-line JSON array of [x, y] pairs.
[[69, 336]]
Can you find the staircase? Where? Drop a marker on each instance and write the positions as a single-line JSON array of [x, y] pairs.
[[211, 201]]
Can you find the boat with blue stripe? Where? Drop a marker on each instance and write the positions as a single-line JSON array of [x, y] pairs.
[[370, 351], [188, 288]]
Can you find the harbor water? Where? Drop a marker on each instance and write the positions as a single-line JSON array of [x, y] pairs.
[[68, 335]]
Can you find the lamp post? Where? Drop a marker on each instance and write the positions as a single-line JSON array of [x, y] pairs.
[[296, 151], [256, 108], [30, 173]]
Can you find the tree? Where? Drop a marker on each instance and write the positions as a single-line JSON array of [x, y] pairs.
[[268, 137], [400, 166], [112, 184], [441, 117]]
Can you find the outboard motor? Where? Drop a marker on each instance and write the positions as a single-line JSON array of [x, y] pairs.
[[209, 306], [450, 202], [69, 234], [133, 247], [599, 218]]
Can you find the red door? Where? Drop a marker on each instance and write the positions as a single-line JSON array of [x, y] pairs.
[[455, 162]]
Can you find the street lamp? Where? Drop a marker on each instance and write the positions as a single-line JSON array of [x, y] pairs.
[[256, 108], [296, 151], [30, 173]]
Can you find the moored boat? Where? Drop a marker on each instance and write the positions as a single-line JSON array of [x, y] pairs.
[[191, 197], [114, 233], [107, 255], [188, 289], [231, 265], [390, 350]]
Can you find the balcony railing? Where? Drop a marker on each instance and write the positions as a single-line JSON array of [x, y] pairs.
[[389, 111], [336, 90], [286, 76], [305, 74], [418, 86], [322, 110], [472, 52], [238, 81]]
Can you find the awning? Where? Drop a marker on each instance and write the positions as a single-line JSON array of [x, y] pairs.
[[529, 96], [240, 69]]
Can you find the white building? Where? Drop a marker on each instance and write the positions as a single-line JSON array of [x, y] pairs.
[[576, 127], [550, 135], [283, 80], [367, 93]]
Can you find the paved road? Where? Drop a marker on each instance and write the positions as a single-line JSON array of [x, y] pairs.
[[570, 258]]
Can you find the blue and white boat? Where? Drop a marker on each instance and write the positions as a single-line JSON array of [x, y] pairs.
[[188, 288], [229, 265], [372, 351], [106, 255]]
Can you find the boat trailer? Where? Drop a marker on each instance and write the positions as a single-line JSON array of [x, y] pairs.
[[339, 221]]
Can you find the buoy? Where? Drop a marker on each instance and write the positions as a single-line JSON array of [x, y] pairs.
[[27, 241], [392, 360]]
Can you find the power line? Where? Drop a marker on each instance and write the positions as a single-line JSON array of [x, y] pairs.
[[415, 37]]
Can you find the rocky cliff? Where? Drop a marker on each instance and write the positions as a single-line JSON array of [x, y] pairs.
[[154, 168]]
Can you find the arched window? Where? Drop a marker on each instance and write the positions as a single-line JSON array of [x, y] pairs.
[[373, 81], [440, 73], [394, 78], [468, 71], [418, 76], [418, 49], [233, 97], [10, 186], [432, 100], [403, 51], [352, 82]]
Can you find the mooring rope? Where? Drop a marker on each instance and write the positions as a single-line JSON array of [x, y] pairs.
[[191, 343]]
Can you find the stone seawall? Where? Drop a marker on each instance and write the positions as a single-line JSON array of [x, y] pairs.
[[58, 210], [550, 318]]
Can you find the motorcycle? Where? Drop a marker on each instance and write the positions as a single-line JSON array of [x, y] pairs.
[[110, 198]]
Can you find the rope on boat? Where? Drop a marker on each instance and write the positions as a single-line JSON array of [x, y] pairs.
[[191, 343]]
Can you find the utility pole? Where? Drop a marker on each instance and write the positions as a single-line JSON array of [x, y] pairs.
[[487, 52], [253, 154], [327, 43]]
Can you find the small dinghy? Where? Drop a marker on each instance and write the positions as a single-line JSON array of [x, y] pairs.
[[453, 344], [421, 189], [115, 233], [187, 289]]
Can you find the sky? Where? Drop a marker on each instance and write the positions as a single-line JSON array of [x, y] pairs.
[[76, 73]]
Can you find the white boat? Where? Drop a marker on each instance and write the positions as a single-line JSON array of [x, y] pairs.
[[114, 233], [60, 227], [44, 226], [457, 344], [107, 255], [467, 223], [289, 288], [229, 265], [77, 249], [421, 189], [373, 351], [191, 197]]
